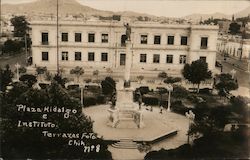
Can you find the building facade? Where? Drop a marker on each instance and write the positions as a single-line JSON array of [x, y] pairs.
[[234, 46], [101, 45]]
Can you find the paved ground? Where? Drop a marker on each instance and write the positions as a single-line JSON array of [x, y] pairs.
[[155, 123], [243, 77]]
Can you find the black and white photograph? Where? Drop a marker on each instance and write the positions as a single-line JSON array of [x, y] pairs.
[[124, 79]]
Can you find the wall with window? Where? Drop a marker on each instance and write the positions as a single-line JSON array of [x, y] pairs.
[[152, 62], [105, 41]]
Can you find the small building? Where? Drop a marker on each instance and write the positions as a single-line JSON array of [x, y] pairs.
[[234, 46]]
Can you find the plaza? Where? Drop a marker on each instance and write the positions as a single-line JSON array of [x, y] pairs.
[[156, 125]]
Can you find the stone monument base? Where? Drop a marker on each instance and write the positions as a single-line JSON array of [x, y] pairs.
[[127, 115], [125, 110]]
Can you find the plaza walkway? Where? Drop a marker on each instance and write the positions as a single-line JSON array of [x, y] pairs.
[[156, 124]]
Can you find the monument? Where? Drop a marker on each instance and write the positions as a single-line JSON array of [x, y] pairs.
[[125, 109]]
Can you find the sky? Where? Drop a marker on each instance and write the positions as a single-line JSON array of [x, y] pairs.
[[172, 8]]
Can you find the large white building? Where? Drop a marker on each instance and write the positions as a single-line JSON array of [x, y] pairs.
[[100, 45]]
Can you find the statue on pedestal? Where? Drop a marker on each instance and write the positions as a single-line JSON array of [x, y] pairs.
[[128, 31], [113, 100]]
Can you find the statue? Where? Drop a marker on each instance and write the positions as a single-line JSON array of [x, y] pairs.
[[128, 31], [113, 100]]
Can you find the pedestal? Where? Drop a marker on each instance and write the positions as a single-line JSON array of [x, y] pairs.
[[126, 109]]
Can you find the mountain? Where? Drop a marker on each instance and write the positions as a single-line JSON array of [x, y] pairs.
[[197, 17], [243, 13], [72, 7], [49, 7]]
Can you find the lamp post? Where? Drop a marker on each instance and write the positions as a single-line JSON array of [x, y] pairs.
[[17, 65], [233, 72], [190, 115], [82, 94], [170, 89]]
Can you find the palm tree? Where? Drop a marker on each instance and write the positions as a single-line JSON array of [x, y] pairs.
[[40, 71], [140, 78], [96, 73], [162, 75], [109, 71], [78, 71]]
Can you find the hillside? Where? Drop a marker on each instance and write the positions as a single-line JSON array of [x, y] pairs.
[[49, 7]]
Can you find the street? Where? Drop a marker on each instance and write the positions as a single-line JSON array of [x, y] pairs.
[[242, 76], [20, 58]]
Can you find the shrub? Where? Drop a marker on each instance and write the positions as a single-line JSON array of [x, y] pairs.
[[179, 92], [144, 89], [108, 86], [178, 107], [205, 91], [88, 101], [150, 100]]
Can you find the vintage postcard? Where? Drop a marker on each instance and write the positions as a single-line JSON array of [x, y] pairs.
[[124, 79]]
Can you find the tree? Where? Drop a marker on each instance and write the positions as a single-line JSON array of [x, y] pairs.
[[60, 80], [6, 76], [109, 71], [12, 47], [21, 70], [179, 92], [225, 83], [162, 75], [41, 70], [209, 121], [140, 78], [78, 71], [21, 25], [196, 72], [22, 142], [172, 80], [108, 86], [234, 28], [96, 73]]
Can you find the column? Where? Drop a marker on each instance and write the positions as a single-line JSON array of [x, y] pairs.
[[128, 64]]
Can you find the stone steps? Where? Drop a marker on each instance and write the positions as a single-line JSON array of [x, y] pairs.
[[125, 144]]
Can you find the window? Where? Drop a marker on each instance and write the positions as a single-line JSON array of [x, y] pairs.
[[104, 57], [105, 38], [64, 37], [45, 38], [45, 56], [65, 56], [144, 39], [170, 40], [156, 58], [91, 56], [182, 59], [169, 59], [143, 58], [157, 40], [78, 37], [91, 37], [203, 58], [183, 40], [78, 56], [204, 42]]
